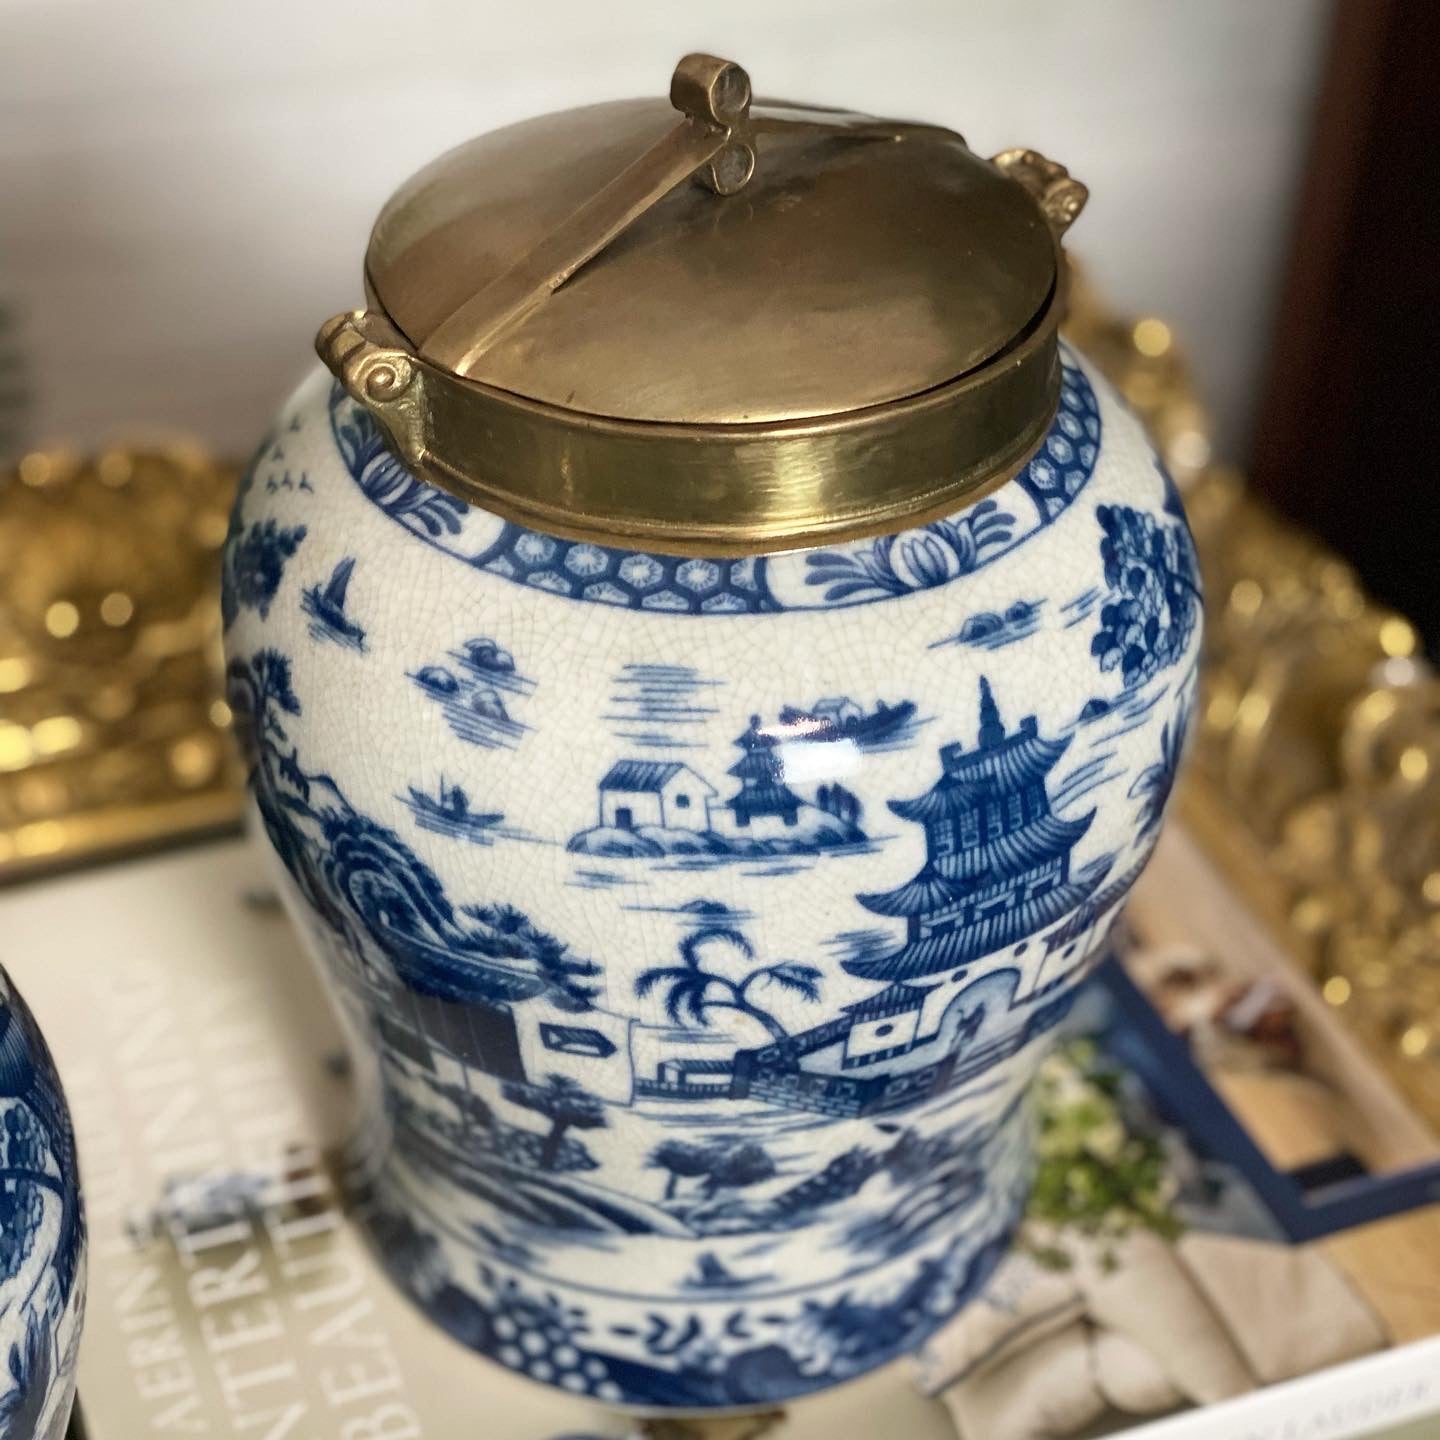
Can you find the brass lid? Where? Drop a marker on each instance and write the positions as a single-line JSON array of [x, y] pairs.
[[846, 327]]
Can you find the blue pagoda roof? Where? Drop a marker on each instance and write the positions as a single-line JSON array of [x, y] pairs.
[[766, 798], [947, 879], [893, 1000], [1018, 761], [938, 953], [948, 797], [929, 890], [1015, 852], [999, 762]]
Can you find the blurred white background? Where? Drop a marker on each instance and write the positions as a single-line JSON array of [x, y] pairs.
[[186, 186]]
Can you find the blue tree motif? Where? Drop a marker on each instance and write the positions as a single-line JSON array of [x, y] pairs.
[[256, 689], [254, 567], [694, 990], [915, 560], [565, 1103], [1150, 612]]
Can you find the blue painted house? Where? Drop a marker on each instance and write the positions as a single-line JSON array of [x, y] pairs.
[[661, 793]]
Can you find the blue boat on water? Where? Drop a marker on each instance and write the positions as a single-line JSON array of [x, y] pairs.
[[840, 718], [448, 812]]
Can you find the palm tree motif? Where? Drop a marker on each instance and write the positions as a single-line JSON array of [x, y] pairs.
[[566, 1103], [1154, 784], [695, 991]]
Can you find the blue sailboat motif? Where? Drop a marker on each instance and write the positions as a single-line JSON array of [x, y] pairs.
[[326, 608]]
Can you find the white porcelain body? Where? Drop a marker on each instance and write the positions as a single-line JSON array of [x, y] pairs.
[[693, 1045], [42, 1234]]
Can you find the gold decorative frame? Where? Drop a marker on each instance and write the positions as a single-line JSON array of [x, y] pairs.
[[112, 713], [1314, 778], [1314, 775]]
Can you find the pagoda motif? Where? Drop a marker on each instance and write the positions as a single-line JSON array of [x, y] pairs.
[[763, 792], [997, 865], [996, 879]]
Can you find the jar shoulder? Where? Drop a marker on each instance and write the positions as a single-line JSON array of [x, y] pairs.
[[324, 477]]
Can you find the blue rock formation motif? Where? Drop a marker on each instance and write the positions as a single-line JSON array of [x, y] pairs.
[[471, 692], [42, 1234], [866, 571], [993, 630], [364, 878]]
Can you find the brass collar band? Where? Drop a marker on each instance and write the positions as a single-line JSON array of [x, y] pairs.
[[716, 490], [846, 332]]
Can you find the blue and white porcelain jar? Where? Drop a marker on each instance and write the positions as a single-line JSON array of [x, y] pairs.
[[42, 1234], [700, 902]]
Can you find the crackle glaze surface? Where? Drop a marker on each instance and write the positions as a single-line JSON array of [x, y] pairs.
[[699, 922], [42, 1234]]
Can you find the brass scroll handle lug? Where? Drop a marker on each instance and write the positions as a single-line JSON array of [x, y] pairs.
[[1060, 196], [370, 360]]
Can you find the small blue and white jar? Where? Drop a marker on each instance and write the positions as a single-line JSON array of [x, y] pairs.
[[700, 903], [42, 1234]]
